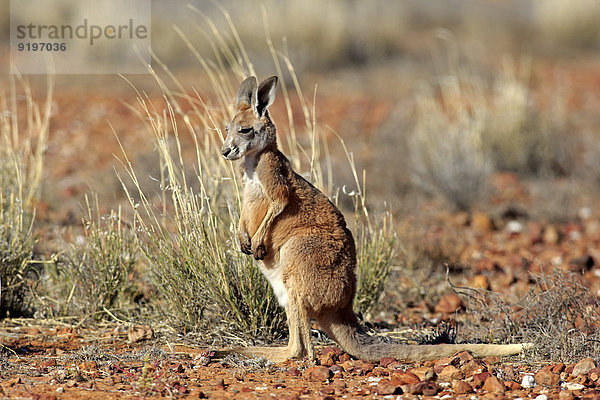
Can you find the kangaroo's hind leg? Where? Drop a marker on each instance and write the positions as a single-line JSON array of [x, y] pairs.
[[300, 344], [294, 281]]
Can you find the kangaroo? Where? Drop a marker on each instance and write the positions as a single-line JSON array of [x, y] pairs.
[[305, 249]]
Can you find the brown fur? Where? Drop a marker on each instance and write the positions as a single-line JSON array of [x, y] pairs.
[[306, 250]]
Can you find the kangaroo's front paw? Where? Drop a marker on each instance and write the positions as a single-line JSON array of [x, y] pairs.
[[259, 251], [245, 243]]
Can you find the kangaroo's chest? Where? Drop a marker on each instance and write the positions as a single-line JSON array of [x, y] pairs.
[[254, 191], [255, 202]]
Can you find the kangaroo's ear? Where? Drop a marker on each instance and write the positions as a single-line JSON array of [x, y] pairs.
[[247, 92], [266, 95]]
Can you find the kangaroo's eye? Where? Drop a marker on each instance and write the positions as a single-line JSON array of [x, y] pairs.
[[245, 131]]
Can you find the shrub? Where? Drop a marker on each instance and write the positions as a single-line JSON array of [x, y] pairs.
[[474, 129], [559, 315], [448, 154], [23, 135], [91, 281]]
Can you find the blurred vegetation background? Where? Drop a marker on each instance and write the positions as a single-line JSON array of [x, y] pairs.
[[474, 106]]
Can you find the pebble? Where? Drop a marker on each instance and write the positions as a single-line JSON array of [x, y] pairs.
[[494, 385], [583, 367], [573, 386], [546, 377], [319, 373], [386, 387], [541, 397], [385, 361], [60, 389], [565, 395], [514, 227], [449, 303], [461, 387], [405, 378], [449, 373], [528, 382]]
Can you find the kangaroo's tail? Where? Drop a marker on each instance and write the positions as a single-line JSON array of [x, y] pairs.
[[346, 331]]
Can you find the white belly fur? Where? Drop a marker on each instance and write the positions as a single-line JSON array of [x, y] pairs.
[[273, 275]]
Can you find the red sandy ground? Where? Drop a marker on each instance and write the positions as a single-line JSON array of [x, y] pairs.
[[46, 360]]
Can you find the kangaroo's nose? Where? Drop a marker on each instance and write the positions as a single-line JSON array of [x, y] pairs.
[[225, 151]]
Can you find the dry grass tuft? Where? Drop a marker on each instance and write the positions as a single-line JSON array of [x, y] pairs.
[[91, 281], [23, 136], [447, 149], [471, 129], [559, 316]]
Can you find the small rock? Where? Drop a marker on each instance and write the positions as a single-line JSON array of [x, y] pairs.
[[450, 373], [463, 357], [481, 222], [566, 395], [594, 374], [479, 379], [541, 397], [512, 385], [583, 367], [449, 303], [441, 364], [583, 263], [494, 385], [319, 373], [327, 360], [60, 389], [395, 365], [328, 390], [573, 386], [546, 377], [426, 388], [461, 387], [514, 227], [558, 368], [333, 350], [551, 235], [339, 384], [480, 282], [424, 373], [472, 367], [386, 387], [345, 357], [364, 367], [337, 370], [528, 382], [348, 365], [404, 378], [490, 360], [385, 361]]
